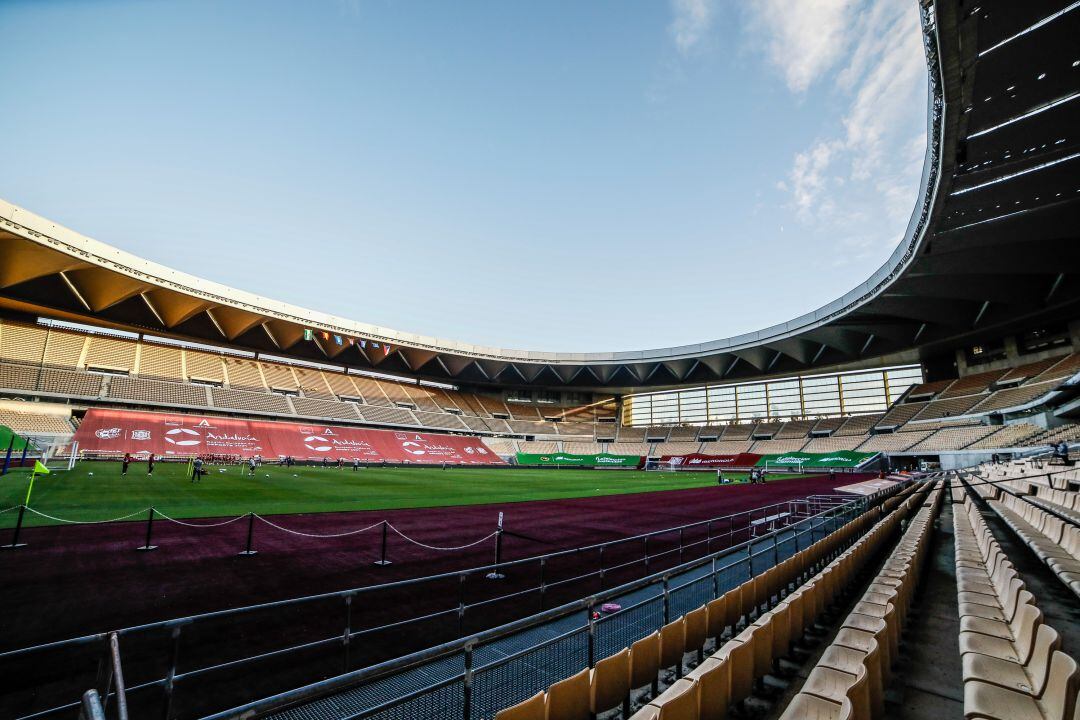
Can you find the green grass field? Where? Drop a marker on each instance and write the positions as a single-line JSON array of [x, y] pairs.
[[96, 491]]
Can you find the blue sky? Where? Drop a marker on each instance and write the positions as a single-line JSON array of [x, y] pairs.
[[577, 176]]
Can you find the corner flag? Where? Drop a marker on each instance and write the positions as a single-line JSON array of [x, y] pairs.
[[40, 469]]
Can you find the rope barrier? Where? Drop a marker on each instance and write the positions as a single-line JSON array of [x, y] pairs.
[[85, 522], [13, 507], [198, 525], [436, 547], [313, 535]]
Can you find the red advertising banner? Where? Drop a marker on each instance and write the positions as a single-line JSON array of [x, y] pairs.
[[700, 461], [123, 431]]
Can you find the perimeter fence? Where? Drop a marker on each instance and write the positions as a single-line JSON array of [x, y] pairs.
[[191, 666]]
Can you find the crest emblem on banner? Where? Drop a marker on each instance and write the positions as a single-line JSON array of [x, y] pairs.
[[140, 434], [108, 433]]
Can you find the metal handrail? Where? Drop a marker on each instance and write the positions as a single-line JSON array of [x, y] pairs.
[[176, 624], [397, 584], [356, 677]]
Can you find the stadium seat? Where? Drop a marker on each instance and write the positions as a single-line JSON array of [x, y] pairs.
[[678, 702], [1029, 678], [673, 645], [811, 707], [834, 685], [1016, 648], [645, 661], [739, 653], [535, 708], [1057, 702], [869, 653], [609, 683], [696, 629], [716, 614], [713, 677], [569, 699]]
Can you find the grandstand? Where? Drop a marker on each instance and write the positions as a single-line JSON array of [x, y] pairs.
[[944, 584]]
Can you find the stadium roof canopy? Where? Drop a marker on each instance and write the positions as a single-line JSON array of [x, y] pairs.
[[991, 247]]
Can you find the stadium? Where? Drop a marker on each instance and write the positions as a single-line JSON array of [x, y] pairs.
[[218, 505]]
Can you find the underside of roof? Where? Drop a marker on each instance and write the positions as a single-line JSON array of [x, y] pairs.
[[991, 247]]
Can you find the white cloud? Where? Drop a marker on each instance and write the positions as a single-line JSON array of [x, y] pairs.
[[858, 182], [802, 38], [691, 22]]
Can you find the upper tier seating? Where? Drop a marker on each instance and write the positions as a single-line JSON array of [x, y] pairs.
[[244, 375], [954, 438], [949, 407], [972, 384], [683, 433], [1014, 397], [157, 391], [631, 434], [387, 415], [1007, 436], [1066, 367], [627, 448], [22, 343], [794, 429], [765, 447], [893, 442], [828, 425], [900, 414], [676, 448], [314, 407], [111, 353], [35, 423], [859, 424], [738, 431], [160, 362], [204, 366], [253, 401], [832, 444]]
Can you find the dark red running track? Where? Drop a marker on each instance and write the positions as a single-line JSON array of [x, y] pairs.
[[74, 580]]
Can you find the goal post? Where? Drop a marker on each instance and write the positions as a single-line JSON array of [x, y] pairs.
[[791, 465]]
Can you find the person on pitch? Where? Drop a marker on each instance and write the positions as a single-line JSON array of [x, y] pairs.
[[251, 466], [197, 470], [127, 461], [150, 465]]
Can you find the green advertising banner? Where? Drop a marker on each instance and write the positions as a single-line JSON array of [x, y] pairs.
[[557, 458], [837, 459]]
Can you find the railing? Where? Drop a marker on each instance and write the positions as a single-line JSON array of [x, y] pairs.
[[733, 533], [479, 677]]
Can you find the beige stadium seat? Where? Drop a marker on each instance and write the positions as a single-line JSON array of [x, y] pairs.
[[569, 699], [535, 708], [740, 656], [869, 654], [678, 702], [713, 678], [716, 617], [1016, 648], [645, 661], [609, 683], [696, 628], [1030, 678], [811, 707], [835, 685], [673, 646], [1057, 702]]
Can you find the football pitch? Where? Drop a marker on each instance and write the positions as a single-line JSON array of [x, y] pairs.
[[96, 491]]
